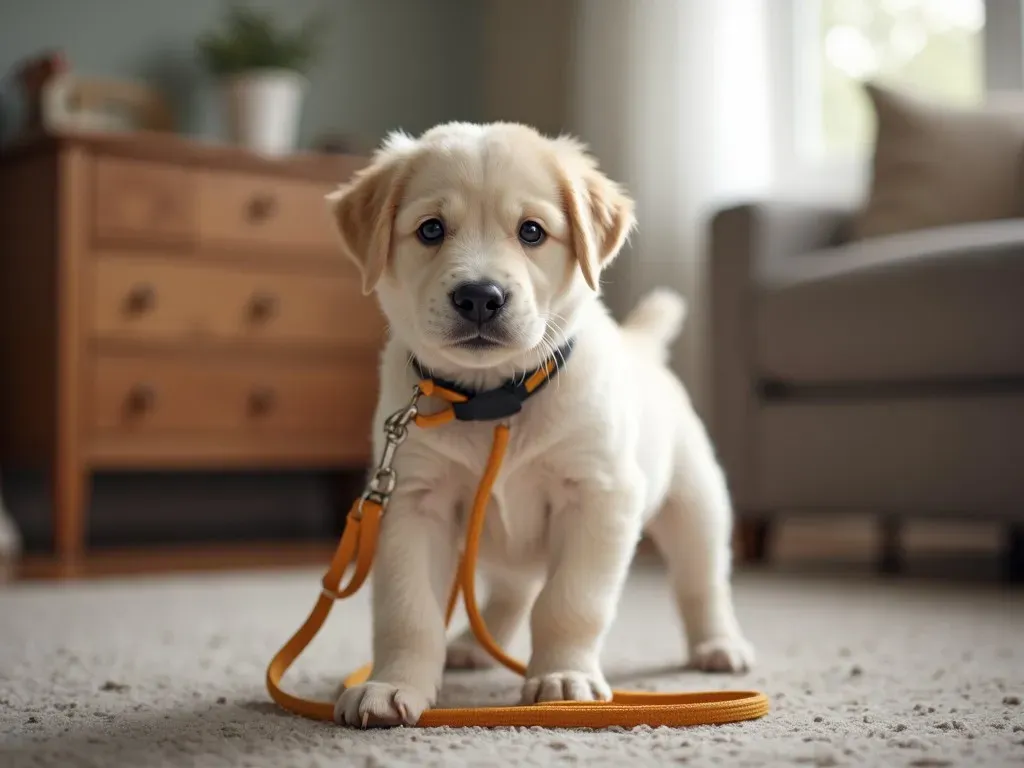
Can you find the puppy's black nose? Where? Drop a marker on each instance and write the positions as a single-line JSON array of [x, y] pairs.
[[478, 302]]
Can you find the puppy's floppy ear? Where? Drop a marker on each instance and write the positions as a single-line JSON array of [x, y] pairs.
[[600, 212], [364, 209]]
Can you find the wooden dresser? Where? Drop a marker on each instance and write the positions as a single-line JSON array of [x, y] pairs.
[[166, 304]]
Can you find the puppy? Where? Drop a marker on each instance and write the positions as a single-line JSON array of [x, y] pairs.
[[485, 245]]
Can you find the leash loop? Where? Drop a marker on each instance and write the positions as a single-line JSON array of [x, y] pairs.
[[358, 544]]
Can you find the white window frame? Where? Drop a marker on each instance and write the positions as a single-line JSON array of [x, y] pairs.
[[795, 73]]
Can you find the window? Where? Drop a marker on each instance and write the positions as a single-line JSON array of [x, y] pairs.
[[932, 47]]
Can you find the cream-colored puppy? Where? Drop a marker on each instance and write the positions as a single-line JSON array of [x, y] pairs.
[[485, 244]]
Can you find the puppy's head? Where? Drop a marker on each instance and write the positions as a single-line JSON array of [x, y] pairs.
[[482, 242]]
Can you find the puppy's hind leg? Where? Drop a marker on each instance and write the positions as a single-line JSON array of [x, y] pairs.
[[693, 532], [509, 601]]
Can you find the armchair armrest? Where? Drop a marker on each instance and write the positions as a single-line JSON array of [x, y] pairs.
[[746, 241], [912, 253], [761, 235]]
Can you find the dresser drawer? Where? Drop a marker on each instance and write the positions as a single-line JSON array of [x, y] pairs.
[[149, 298], [261, 212], [151, 394], [141, 201]]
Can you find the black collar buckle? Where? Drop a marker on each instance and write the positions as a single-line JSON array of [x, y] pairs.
[[504, 401], [492, 405]]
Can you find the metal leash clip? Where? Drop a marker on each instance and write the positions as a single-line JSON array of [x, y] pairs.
[[384, 478]]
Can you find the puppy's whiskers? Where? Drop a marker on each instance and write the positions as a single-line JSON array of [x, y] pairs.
[[556, 339]]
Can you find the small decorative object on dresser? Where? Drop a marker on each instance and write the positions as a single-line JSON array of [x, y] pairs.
[[261, 67], [165, 304], [58, 99], [71, 102], [33, 74]]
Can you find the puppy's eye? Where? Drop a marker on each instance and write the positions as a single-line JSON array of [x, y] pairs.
[[531, 233], [430, 232]]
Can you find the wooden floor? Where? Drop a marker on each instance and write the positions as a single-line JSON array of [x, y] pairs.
[[179, 559]]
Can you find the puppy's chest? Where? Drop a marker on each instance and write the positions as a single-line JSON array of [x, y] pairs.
[[529, 489], [519, 516]]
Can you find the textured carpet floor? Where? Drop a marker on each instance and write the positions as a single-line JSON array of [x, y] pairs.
[[168, 672]]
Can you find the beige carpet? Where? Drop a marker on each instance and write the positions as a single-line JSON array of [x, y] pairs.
[[168, 672]]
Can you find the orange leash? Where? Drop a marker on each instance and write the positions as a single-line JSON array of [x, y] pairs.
[[358, 544]]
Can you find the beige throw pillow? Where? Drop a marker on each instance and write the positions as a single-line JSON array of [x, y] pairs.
[[936, 165]]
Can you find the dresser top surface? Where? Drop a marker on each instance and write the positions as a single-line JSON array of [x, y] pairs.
[[192, 151]]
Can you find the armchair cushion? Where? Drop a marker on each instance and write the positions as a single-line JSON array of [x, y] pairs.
[[938, 304], [937, 165]]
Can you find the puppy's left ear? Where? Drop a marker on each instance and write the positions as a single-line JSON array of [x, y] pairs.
[[600, 212], [364, 211]]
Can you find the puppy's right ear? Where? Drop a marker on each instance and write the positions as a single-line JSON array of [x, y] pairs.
[[599, 210], [364, 210]]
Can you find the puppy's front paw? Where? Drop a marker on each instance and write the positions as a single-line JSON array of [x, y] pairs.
[[467, 653], [722, 654], [566, 686], [380, 704]]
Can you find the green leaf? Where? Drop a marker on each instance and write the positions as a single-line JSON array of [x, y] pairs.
[[250, 38]]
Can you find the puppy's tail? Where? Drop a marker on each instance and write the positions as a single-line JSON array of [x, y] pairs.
[[657, 319]]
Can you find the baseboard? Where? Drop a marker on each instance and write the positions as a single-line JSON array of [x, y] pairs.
[[857, 538]]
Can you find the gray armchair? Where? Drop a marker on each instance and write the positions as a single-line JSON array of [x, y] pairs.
[[883, 375]]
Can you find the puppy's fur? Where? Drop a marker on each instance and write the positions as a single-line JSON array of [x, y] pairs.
[[610, 448]]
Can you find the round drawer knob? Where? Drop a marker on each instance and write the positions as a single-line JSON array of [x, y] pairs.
[[261, 208], [261, 401], [262, 307], [141, 298], [141, 398]]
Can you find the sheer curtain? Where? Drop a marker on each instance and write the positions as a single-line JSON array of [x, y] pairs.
[[673, 96]]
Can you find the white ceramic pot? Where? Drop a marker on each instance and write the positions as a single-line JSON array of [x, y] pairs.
[[263, 108]]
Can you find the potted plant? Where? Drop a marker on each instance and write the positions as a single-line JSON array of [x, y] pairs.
[[261, 66]]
